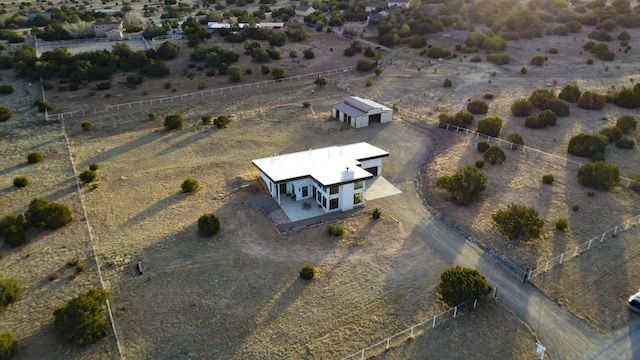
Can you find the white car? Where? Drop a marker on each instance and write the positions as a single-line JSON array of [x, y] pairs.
[[634, 302]]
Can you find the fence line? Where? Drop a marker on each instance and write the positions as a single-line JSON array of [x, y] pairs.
[[585, 246], [410, 332], [526, 150]]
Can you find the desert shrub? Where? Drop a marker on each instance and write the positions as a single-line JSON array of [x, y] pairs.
[[42, 105], [87, 125], [626, 123], [540, 96], [42, 213], [521, 107], [462, 118], [548, 117], [335, 230], [523, 70], [222, 122], [235, 73], [477, 107], [349, 52], [479, 163], [94, 167], [277, 72], [627, 98], [483, 146], [625, 144], [190, 185], [103, 85], [534, 122], [599, 175], [6, 89], [447, 83], [559, 107], [573, 26], [365, 65], [265, 69], [437, 52], [490, 126], [308, 272], [498, 58], [537, 60], [5, 113], [306, 104], [600, 35], [83, 319], [553, 51], [562, 224], [34, 157], [516, 138], [476, 59], [152, 116], [376, 213], [460, 284], [321, 82], [12, 229], [518, 222], [368, 83], [589, 61], [417, 42], [587, 145], [487, 96], [575, 207], [591, 101], [378, 71], [10, 291], [494, 155], [547, 179], [208, 224], [88, 176], [612, 132], [635, 177], [624, 36], [8, 345], [308, 53], [173, 121], [21, 181], [207, 119], [570, 93], [134, 79], [465, 185]]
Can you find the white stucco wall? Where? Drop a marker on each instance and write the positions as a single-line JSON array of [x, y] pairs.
[[372, 163]]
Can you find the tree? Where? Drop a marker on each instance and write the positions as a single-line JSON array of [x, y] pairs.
[[235, 73], [277, 72], [591, 101], [540, 96], [190, 185], [626, 123], [173, 121], [168, 51], [465, 185], [83, 319], [8, 345], [518, 222], [521, 107], [12, 229], [612, 132], [88, 176], [477, 107], [587, 145], [460, 284], [599, 175], [42, 213], [10, 291], [365, 65], [5, 113], [490, 126], [437, 52], [570, 93], [208, 224], [516, 138], [559, 107], [494, 155], [308, 53], [547, 117], [320, 82]]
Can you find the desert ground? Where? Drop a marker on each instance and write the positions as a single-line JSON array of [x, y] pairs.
[[237, 295]]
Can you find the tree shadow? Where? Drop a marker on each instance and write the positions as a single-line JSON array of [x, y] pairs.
[[188, 140], [7, 190], [154, 209], [126, 147], [13, 168]]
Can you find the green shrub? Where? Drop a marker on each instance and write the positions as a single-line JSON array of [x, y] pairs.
[[547, 179], [42, 213], [306, 104], [34, 157], [5, 113], [134, 79], [559, 107], [437, 52], [308, 272], [10, 291], [523, 70], [487, 96], [462, 118], [635, 177], [465, 185], [494, 155], [42, 105], [534, 122], [8, 345], [599, 175], [498, 58], [586, 145], [365, 65], [540, 96], [483, 146], [447, 83], [265, 69], [548, 117], [589, 61], [518, 222], [600, 35], [575, 207], [627, 98], [625, 144], [562, 224], [349, 52], [476, 59], [173, 121], [570, 93], [207, 119], [612, 132], [479, 163], [87, 125], [12, 229], [460, 284], [103, 85], [222, 122], [208, 224], [537, 60], [491, 126], [368, 83], [521, 107], [80, 267], [277, 72], [376, 213], [21, 181], [83, 319], [626, 123], [94, 167], [477, 107], [515, 138], [6, 89], [553, 51], [335, 230], [152, 116], [190, 185], [88, 176], [591, 101]]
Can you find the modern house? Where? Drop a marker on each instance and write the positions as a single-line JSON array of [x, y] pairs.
[[359, 112], [375, 6], [304, 10], [331, 178], [101, 28], [398, 3], [213, 27]]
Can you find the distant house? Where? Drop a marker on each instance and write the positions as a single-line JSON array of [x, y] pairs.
[[398, 3], [332, 178], [46, 15], [375, 17], [359, 112], [102, 27], [375, 6], [304, 10], [213, 27]]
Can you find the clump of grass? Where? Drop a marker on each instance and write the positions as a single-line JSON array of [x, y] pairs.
[[335, 230], [376, 213], [562, 224], [575, 207]]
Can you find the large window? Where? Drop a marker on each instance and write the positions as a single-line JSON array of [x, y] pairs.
[[358, 185], [324, 202], [334, 189], [357, 198], [333, 204], [305, 191]]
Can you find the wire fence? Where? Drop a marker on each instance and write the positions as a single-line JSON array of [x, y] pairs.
[[413, 331], [585, 246]]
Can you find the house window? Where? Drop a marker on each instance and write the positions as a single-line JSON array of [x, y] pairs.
[[334, 189], [305, 191], [324, 202], [333, 204], [358, 185], [357, 198]]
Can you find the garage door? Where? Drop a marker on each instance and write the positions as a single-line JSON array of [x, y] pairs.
[[373, 170]]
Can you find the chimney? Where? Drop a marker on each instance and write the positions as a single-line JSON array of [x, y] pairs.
[[347, 174]]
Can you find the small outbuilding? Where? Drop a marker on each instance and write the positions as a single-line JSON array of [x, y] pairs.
[[304, 10], [359, 112]]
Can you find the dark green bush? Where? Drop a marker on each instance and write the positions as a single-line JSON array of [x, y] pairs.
[[494, 155], [376, 213], [498, 58], [626, 123], [547, 179], [173, 121], [265, 69], [559, 107], [599, 175], [437, 52], [103, 85], [335, 230], [83, 319], [465, 185], [491, 126], [6, 89], [462, 118], [518, 222], [308, 272], [540, 96], [476, 59], [5, 113], [515, 138], [479, 163], [612, 132], [600, 35], [477, 107], [365, 65], [42, 105], [591, 101], [562, 224], [553, 51], [190, 185], [222, 122], [35, 157], [534, 122], [537, 60], [10, 291], [523, 70], [627, 98], [483, 146], [21, 181], [12, 229], [87, 125], [521, 107], [548, 117], [460, 284], [625, 144], [207, 119], [42, 213], [88, 176], [570, 93], [208, 224], [8, 345], [94, 167], [586, 145], [447, 83], [152, 116]]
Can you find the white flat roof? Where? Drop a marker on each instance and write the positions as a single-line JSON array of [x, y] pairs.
[[325, 165]]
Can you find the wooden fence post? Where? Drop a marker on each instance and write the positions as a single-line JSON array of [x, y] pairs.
[[561, 257]]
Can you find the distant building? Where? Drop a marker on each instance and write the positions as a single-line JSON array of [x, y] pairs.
[[46, 15], [215, 26], [101, 28], [398, 3], [359, 112], [304, 10], [375, 6]]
